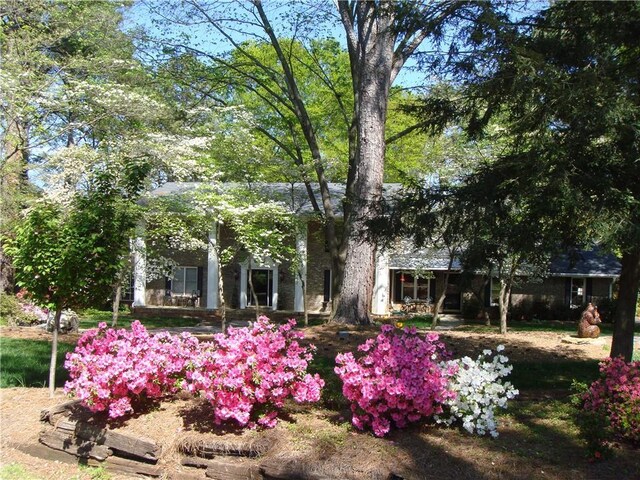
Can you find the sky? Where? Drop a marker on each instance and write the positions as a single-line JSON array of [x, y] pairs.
[[144, 14]]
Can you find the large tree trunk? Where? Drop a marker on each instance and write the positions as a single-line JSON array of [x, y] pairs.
[[624, 316], [371, 55], [54, 352]]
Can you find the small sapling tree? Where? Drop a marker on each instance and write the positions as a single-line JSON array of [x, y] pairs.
[[69, 256]]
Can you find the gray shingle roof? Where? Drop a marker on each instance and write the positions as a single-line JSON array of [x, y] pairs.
[[404, 255], [586, 263], [294, 195]]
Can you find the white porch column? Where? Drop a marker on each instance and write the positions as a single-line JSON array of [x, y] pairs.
[[213, 268], [274, 286], [139, 270], [243, 286], [301, 252], [380, 301]]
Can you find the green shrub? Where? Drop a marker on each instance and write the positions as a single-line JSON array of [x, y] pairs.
[[560, 311], [9, 308], [12, 312]]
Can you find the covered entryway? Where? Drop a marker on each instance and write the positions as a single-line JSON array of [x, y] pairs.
[[262, 280]]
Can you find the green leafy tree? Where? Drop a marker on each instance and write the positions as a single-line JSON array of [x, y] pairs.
[[380, 37], [46, 48], [565, 81], [69, 257], [503, 236]]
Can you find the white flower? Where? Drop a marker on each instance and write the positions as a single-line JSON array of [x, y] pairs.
[[480, 390]]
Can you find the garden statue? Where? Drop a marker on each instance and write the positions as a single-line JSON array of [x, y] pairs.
[[588, 325]]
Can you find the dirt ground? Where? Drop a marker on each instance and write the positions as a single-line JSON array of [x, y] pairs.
[[317, 435]]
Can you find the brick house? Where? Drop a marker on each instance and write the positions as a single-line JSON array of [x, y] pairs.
[[403, 275]]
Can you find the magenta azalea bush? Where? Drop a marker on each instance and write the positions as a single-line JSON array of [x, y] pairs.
[[248, 373], [397, 381], [609, 409], [245, 374], [110, 369]]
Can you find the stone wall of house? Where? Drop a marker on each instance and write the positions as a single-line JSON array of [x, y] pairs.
[[552, 290], [318, 260]]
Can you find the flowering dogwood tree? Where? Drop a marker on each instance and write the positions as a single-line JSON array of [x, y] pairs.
[[263, 229]]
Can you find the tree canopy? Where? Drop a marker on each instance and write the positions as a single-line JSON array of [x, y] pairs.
[[564, 82]]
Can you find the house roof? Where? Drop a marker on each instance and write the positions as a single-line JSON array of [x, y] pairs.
[[585, 263], [403, 255], [293, 195]]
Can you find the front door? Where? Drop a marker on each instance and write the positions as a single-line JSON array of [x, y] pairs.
[[262, 280], [453, 297]]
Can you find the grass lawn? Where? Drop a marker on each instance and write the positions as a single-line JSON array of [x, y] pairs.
[[90, 319], [25, 363]]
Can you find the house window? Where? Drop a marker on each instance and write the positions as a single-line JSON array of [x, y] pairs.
[[127, 288], [410, 285], [184, 281], [578, 291]]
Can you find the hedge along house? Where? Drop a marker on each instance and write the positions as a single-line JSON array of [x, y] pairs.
[[405, 276]]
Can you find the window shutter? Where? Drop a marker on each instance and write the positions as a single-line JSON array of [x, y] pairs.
[[199, 282], [567, 291], [432, 289], [327, 286], [487, 293], [589, 289]]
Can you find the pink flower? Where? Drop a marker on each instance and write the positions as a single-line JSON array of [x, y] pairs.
[[397, 382]]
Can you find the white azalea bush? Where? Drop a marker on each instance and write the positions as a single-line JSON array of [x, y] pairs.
[[480, 389]]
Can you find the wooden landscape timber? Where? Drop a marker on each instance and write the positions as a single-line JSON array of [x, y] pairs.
[[96, 446], [68, 431]]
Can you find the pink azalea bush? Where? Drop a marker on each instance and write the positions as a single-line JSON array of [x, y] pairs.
[[609, 408], [110, 369], [39, 314], [397, 381], [248, 373]]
